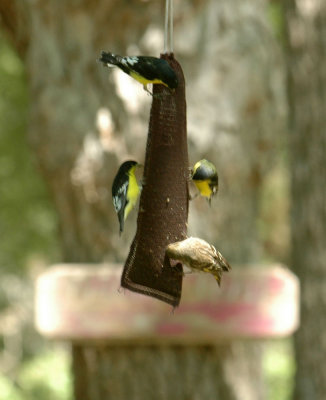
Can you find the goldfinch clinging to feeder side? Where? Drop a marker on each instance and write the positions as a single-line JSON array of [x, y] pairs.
[[199, 256], [205, 178], [125, 190], [144, 69]]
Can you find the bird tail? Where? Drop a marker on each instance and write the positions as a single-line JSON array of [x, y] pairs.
[[121, 223], [223, 262], [110, 59], [220, 260]]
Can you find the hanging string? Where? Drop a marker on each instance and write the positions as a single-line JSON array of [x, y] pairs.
[[168, 27], [171, 26]]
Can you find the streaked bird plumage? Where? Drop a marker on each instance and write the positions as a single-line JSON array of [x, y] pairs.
[[125, 191], [205, 178], [199, 256], [144, 69]]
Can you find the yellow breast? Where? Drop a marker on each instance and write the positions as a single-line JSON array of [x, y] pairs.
[[132, 193], [143, 80], [203, 188]]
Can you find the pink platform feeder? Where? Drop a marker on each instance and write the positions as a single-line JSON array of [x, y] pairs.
[[84, 302]]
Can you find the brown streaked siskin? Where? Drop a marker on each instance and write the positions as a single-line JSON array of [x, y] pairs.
[[199, 256]]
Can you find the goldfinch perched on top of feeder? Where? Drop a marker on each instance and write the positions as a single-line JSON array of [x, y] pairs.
[[143, 68], [205, 178], [125, 190], [199, 256]]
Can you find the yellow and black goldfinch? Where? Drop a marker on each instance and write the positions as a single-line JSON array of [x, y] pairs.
[[143, 68], [199, 256], [125, 190], [205, 178]]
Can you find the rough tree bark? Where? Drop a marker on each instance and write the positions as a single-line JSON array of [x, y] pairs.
[[306, 55], [230, 63]]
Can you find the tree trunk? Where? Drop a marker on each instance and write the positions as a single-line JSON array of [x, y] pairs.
[[231, 112], [306, 51], [166, 373]]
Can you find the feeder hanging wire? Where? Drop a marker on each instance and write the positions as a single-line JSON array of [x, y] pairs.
[[168, 27]]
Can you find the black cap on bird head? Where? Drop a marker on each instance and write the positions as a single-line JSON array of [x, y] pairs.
[[171, 79], [125, 166], [167, 74]]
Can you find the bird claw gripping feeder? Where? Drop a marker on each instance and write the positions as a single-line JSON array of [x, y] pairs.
[[163, 208]]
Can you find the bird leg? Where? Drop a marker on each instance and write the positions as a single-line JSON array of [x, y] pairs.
[[191, 197], [146, 90], [158, 95]]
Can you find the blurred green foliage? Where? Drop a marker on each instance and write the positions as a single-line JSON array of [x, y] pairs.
[[275, 15], [273, 224], [27, 234], [46, 377], [27, 218], [279, 369]]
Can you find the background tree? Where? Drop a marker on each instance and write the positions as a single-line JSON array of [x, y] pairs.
[[80, 130], [306, 56]]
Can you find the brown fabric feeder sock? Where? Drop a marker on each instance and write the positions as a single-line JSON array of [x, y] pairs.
[[163, 208]]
